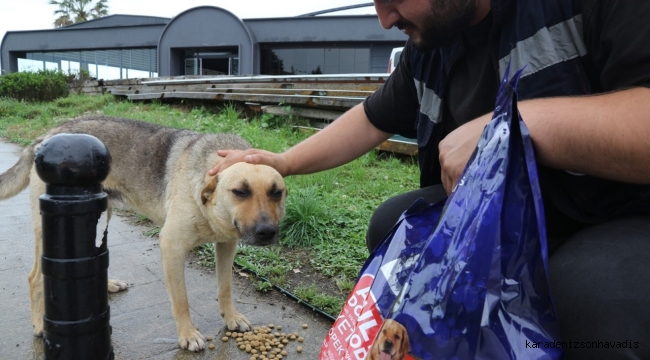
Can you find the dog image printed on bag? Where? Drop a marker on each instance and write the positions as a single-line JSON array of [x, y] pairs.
[[391, 343], [161, 173]]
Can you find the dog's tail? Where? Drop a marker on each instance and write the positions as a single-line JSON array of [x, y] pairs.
[[16, 178]]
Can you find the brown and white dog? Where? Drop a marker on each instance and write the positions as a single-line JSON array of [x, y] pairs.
[[162, 174]]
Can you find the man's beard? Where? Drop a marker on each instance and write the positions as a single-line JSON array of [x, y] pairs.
[[443, 22]]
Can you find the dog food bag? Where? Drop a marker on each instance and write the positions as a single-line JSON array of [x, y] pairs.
[[467, 279], [381, 281]]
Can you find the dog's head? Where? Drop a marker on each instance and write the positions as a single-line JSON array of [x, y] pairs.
[[392, 342], [249, 200]]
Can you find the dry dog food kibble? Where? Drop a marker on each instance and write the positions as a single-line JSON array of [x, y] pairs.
[[263, 343]]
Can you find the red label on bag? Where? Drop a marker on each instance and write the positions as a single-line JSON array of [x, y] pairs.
[[355, 329]]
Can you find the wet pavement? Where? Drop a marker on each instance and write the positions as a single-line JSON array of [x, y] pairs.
[[143, 327]]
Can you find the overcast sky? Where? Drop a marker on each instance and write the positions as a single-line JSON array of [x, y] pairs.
[[38, 14]]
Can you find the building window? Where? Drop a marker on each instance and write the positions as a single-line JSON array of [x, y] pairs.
[[305, 61], [102, 64], [212, 61]]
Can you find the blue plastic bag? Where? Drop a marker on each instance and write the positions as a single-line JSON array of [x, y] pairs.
[[467, 279]]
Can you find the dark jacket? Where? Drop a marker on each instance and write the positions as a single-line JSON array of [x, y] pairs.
[[548, 38]]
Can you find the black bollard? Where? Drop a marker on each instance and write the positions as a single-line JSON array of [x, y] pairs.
[[75, 277]]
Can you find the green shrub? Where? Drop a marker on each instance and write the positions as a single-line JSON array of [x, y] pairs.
[[77, 79], [44, 85]]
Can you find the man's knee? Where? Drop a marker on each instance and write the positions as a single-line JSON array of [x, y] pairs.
[[382, 220], [600, 281], [387, 214]]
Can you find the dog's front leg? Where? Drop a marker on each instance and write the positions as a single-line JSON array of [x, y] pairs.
[[173, 254], [224, 256]]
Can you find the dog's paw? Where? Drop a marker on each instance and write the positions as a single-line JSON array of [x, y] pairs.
[[37, 323], [116, 285], [192, 340], [38, 329], [237, 321]]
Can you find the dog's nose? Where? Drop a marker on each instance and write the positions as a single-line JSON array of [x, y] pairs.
[[388, 345], [266, 232]]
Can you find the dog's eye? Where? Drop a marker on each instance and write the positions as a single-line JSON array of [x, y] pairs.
[[276, 194], [241, 193]]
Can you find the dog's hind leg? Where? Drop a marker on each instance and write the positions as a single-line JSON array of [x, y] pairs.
[[114, 285], [35, 278], [224, 256], [174, 240]]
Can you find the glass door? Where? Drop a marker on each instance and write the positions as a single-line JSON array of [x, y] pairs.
[[212, 61]]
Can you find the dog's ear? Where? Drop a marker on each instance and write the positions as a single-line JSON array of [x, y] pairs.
[[406, 344], [209, 189]]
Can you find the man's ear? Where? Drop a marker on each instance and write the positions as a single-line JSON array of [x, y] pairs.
[[209, 189]]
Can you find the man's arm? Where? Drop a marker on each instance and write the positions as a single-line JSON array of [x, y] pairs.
[[344, 140], [605, 135]]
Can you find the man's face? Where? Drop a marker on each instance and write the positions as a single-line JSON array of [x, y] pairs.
[[429, 23]]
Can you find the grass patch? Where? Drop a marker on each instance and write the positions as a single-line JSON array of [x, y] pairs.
[[303, 224], [322, 239], [313, 295]]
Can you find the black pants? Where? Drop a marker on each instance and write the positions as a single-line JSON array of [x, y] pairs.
[[599, 276]]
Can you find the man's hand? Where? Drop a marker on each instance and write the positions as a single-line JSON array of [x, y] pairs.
[[251, 156], [456, 149], [340, 142]]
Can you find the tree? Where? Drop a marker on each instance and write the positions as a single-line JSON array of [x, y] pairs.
[[76, 11]]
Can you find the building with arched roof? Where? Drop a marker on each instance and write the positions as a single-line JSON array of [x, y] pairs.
[[205, 40]]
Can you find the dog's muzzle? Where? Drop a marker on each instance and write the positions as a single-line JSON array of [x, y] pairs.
[[261, 234], [388, 346], [386, 353]]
